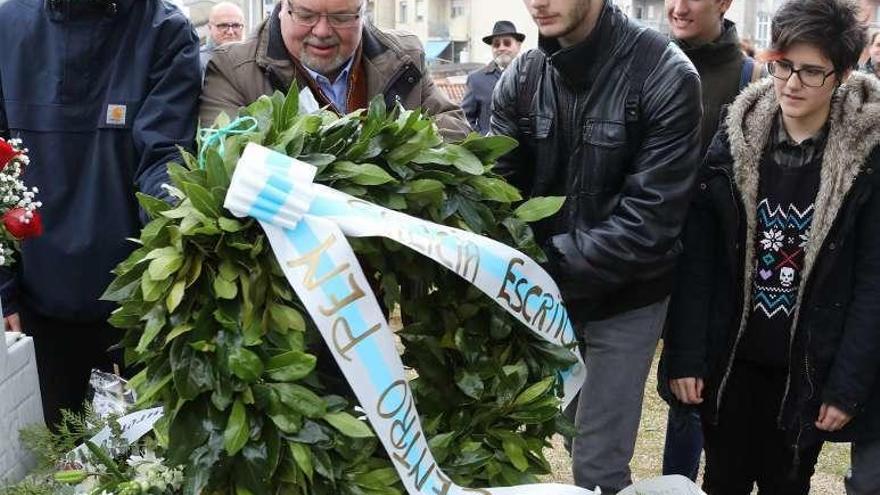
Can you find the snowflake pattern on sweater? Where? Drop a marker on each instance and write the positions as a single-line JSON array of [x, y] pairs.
[[784, 233]]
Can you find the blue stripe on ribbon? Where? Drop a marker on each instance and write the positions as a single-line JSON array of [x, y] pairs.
[[496, 266], [368, 352]]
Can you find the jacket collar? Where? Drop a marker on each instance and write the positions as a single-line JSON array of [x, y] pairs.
[[721, 51], [579, 64], [492, 67], [854, 132], [272, 46]]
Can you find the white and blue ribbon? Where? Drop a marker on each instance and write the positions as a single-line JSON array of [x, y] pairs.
[[307, 225]]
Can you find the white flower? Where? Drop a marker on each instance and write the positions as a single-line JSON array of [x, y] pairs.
[[772, 240], [151, 472]]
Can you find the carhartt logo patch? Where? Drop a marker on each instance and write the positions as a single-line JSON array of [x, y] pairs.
[[116, 114]]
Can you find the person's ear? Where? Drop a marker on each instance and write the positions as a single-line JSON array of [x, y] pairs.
[[724, 6]]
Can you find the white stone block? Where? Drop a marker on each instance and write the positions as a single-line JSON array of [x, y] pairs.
[[20, 405]]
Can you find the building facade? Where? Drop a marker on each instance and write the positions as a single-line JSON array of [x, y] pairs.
[[452, 30]]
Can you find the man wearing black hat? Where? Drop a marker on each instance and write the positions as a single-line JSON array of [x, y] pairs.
[[477, 103]]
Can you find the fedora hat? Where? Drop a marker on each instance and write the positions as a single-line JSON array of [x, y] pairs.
[[504, 28]]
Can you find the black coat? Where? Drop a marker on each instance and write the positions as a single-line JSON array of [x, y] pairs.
[[835, 336], [477, 102], [628, 186]]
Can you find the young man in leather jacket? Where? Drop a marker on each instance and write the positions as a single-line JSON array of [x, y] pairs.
[[607, 113]]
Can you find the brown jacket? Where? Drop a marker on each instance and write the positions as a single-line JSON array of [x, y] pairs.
[[393, 62]]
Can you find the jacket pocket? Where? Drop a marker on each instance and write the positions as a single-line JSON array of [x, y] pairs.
[[826, 330], [604, 155]]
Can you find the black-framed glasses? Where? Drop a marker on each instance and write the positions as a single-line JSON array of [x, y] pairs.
[[226, 26], [311, 19], [811, 77]]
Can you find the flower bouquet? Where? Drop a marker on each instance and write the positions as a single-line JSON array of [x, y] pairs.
[[88, 454], [18, 207]]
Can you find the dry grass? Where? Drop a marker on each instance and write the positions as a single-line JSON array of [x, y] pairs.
[[647, 462]]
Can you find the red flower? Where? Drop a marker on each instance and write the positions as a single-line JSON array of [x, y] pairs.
[[7, 153], [19, 227]]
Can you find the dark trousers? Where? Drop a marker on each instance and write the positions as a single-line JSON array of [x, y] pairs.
[[66, 354], [684, 441], [864, 477], [746, 447]]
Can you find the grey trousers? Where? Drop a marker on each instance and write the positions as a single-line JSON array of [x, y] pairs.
[[618, 354], [864, 477]]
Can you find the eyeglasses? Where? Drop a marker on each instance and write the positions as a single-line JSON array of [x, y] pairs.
[[311, 19], [226, 26], [811, 77], [499, 42]]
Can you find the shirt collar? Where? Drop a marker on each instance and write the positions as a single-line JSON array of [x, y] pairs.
[[343, 75], [784, 139]]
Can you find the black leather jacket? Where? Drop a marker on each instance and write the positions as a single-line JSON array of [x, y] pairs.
[[613, 247]]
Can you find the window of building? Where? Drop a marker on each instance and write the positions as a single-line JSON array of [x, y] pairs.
[[762, 30], [651, 13], [457, 8], [420, 10], [402, 14], [638, 12]]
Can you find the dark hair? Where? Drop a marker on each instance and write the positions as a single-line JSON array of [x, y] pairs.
[[832, 26], [873, 37]]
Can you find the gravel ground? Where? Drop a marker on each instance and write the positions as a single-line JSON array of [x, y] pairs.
[[647, 462]]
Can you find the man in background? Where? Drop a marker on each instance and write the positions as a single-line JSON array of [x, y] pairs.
[[477, 104], [225, 25]]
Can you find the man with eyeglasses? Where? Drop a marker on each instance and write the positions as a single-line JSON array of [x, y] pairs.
[[776, 312], [477, 103], [329, 47], [225, 25]]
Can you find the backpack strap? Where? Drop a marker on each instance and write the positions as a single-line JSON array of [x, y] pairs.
[[648, 47], [748, 69], [527, 84]]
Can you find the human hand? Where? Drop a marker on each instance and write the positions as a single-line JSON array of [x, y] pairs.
[[13, 323], [832, 418], [688, 390]]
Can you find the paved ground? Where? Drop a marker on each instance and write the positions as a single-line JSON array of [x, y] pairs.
[[647, 463]]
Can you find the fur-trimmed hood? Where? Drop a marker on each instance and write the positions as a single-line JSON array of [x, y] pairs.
[[854, 133]]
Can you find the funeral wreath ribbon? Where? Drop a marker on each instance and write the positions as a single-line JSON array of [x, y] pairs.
[[307, 225]]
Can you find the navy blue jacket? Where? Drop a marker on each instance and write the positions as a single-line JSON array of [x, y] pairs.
[[477, 102], [102, 99]]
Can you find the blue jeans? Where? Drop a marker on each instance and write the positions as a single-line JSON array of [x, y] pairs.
[[684, 441]]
